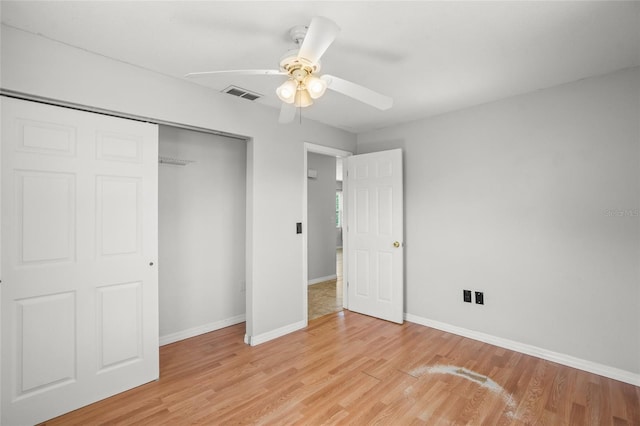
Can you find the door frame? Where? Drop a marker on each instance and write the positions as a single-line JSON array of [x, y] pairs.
[[332, 152]]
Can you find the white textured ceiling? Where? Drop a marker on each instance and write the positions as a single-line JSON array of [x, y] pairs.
[[431, 57]]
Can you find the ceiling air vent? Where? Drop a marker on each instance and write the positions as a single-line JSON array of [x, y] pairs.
[[242, 93]]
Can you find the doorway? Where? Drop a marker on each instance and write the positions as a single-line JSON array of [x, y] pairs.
[[323, 243], [202, 225], [85, 218]]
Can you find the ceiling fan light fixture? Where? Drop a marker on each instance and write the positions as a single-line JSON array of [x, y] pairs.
[[303, 99], [301, 66], [315, 86], [287, 91]]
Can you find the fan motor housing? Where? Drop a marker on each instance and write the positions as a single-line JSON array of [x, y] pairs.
[[291, 62]]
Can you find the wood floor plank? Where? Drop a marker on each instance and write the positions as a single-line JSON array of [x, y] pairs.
[[347, 368]]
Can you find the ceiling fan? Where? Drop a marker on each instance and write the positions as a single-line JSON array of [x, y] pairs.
[[302, 64]]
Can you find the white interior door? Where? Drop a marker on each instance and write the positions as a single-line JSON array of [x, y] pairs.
[[375, 235], [79, 292]]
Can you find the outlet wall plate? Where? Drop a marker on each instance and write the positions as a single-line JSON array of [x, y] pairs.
[[479, 298]]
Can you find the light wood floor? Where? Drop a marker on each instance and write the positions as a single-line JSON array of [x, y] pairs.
[[347, 368]]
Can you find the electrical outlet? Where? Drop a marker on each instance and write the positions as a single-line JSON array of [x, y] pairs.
[[479, 298], [466, 296]]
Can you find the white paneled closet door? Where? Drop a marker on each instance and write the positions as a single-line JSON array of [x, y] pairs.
[[79, 247], [375, 235]]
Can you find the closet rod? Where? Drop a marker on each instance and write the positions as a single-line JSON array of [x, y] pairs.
[[174, 161]]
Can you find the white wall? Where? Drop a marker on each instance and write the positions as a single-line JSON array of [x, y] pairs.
[[201, 209], [275, 153], [514, 198], [321, 216], [339, 241]]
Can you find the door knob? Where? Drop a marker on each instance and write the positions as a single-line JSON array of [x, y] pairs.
[[396, 244]]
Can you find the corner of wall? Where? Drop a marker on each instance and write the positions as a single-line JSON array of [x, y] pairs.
[[274, 334]]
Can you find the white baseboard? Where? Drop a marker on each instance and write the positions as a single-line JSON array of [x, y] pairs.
[[196, 331], [274, 334], [322, 279], [568, 360]]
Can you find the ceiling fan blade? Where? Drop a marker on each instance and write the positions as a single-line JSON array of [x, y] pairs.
[[358, 92], [287, 113], [320, 35], [236, 72]]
